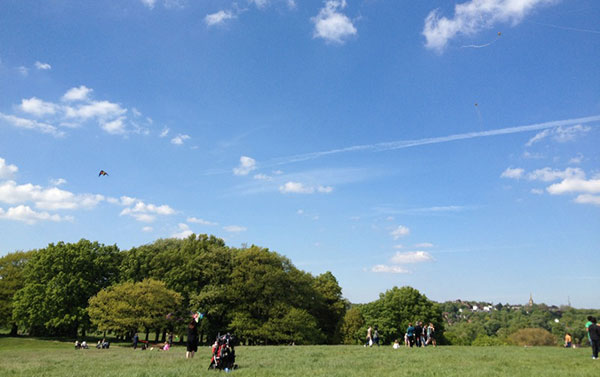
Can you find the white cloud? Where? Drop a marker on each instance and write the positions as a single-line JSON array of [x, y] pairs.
[[512, 173], [147, 229], [23, 70], [474, 16], [7, 171], [301, 188], [164, 132], [560, 134], [31, 125], [411, 257], [144, 212], [424, 244], [400, 231], [234, 228], [219, 17], [331, 25], [184, 231], [200, 221], [77, 94], [296, 188], [398, 246], [588, 199], [537, 191], [50, 198], [549, 175], [115, 127], [591, 186], [247, 164], [58, 181], [95, 109], [389, 269], [300, 212], [179, 139], [29, 216], [42, 66], [37, 107]]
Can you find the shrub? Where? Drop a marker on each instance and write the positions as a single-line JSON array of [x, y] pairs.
[[532, 337]]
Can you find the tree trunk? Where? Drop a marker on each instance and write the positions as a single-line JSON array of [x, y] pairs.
[[157, 335], [164, 335], [147, 334], [14, 329]]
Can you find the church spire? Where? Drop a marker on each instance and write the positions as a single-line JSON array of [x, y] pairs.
[[530, 299]]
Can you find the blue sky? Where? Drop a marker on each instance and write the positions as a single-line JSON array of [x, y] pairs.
[[448, 146]]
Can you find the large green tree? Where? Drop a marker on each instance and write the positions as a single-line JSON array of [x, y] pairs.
[[11, 280], [59, 281], [127, 307], [398, 307]]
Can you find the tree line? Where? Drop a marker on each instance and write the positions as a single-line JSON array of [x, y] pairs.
[[67, 289]]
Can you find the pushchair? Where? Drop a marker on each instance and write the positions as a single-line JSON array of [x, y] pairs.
[[223, 353]]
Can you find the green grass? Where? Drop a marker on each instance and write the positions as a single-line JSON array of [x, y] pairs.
[[34, 357]]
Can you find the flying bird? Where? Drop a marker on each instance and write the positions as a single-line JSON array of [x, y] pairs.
[[102, 172]]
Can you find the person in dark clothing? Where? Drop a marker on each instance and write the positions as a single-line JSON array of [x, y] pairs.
[[192, 339], [594, 332], [410, 332], [136, 339], [418, 332]]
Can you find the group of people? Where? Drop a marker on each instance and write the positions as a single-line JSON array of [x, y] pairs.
[[102, 344], [163, 347], [418, 335]]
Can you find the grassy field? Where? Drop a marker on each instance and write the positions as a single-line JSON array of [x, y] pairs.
[[34, 357]]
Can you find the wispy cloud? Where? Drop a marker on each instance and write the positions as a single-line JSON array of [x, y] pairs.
[[301, 188], [560, 134], [382, 268], [400, 231], [234, 228], [180, 139], [184, 231], [512, 173], [43, 66], [409, 257], [196, 220], [219, 18], [247, 164]]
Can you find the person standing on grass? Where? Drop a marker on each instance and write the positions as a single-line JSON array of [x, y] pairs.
[[418, 332], [411, 334], [587, 327], [369, 337], [376, 337], [431, 334], [136, 339], [594, 332], [192, 339]]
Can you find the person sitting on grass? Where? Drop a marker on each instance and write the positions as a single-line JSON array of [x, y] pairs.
[[105, 344], [99, 345], [84, 345], [568, 340], [396, 344], [77, 345]]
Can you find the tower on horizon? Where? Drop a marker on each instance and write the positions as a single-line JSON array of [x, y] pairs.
[[530, 299]]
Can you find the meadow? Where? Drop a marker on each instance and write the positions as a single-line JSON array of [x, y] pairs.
[[36, 357]]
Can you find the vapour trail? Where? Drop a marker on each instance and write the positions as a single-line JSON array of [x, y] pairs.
[[480, 46], [402, 144], [567, 28]]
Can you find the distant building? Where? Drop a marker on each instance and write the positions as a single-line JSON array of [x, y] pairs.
[[530, 299]]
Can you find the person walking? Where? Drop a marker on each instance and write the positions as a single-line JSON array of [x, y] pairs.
[[136, 339], [431, 334], [369, 337], [410, 331], [376, 337]]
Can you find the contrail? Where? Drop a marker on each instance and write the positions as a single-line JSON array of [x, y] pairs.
[[402, 144], [567, 28]]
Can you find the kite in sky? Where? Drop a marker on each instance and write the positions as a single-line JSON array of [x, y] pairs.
[[102, 172], [484, 45]]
